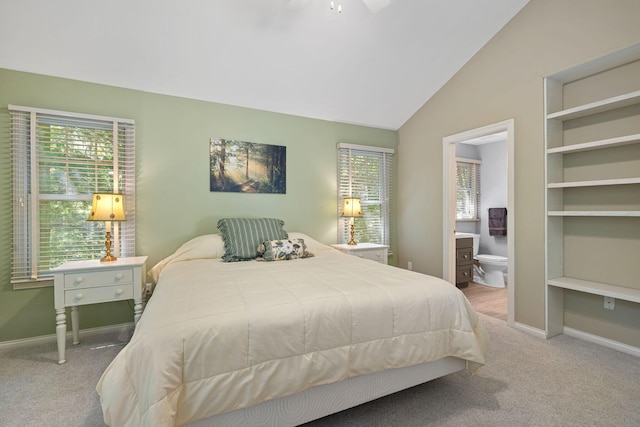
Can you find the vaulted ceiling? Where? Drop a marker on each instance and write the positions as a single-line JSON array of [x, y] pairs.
[[290, 56]]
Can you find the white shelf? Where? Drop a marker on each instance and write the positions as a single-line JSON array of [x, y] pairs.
[[595, 183], [597, 107], [600, 74], [595, 145], [613, 291], [594, 213]]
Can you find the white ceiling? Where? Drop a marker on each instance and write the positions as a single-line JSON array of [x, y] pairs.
[[290, 56]]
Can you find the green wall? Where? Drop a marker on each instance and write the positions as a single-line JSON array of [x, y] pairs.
[[173, 201]]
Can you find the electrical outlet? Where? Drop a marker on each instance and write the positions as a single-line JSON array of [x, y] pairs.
[[410, 265], [609, 303]]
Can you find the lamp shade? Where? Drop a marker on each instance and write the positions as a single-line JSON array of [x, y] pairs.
[[352, 207], [107, 207]]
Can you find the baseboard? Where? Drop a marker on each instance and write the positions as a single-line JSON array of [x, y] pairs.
[[52, 338], [530, 330], [605, 342]]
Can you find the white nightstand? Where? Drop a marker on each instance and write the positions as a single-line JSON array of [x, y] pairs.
[[89, 282], [372, 251]]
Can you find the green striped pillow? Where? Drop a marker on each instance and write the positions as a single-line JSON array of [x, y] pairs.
[[242, 236]]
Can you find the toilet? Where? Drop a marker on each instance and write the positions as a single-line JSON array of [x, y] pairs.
[[491, 268]]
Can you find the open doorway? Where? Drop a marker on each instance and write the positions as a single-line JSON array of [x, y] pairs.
[[503, 131]]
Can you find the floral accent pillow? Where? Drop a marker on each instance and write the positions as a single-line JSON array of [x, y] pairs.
[[281, 250]]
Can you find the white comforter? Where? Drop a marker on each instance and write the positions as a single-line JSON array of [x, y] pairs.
[[221, 336]]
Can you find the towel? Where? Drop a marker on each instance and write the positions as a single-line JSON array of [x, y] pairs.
[[497, 221]]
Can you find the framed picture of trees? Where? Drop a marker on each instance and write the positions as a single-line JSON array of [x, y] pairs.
[[247, 167]]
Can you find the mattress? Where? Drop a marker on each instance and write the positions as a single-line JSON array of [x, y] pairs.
[[219, 336]]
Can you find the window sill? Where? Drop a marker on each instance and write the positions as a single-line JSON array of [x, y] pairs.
[[468, 220], [45, 282]]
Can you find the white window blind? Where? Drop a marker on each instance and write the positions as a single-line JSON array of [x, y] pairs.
[[59, 160], [468, 189], [365, 172]]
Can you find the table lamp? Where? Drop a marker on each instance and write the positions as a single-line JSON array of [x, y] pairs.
[[352, 209], [107, 207]]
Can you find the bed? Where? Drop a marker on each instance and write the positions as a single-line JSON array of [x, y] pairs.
[[285, 342]]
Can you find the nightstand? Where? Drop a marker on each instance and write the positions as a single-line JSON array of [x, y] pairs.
[[89, 282], [372, 251]]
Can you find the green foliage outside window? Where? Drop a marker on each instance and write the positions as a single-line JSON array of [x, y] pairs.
[[74, 162], [467, 190]]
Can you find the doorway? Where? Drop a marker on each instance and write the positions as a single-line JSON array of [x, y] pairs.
[[449, 202]]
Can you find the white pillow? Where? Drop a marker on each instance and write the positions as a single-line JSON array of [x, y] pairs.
[[201, 247]]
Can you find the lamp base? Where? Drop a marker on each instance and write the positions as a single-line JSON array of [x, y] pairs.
[[352, 242], [108, 257]]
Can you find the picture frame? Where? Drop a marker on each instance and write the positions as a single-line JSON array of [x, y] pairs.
[[247, 167]]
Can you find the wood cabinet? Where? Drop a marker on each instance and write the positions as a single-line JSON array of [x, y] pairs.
[[592, 162], [464, 261]]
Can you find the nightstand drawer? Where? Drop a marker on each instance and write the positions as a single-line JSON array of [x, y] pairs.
[[375, 255], [372, 251], [98, 294], [98, 278]]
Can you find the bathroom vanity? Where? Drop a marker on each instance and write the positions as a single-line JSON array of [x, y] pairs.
[[464, 261]]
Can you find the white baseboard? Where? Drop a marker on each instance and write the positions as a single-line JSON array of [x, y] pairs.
[[575, 333], [52, 338], [605, 342], [530, 330]]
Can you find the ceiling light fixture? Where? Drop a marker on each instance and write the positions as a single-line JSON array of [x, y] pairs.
[[332, 5]]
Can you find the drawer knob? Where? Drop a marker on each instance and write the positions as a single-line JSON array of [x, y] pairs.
[[378, 254], [80, 296], [79, 279], [466, 273], [119, 292], [465, 256], [119, 276]]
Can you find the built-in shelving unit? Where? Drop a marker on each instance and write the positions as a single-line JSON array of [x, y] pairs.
[[615, 120]]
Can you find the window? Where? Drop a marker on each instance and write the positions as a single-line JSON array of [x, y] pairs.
[[59, 160], [468, 189], [365, 172]]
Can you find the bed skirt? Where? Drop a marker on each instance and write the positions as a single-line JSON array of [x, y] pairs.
[[323, 400]]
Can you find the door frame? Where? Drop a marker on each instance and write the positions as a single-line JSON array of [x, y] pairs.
[[449, 204]]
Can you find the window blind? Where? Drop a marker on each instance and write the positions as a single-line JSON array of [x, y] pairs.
[[59, 160], [468, 189], [365, 172]]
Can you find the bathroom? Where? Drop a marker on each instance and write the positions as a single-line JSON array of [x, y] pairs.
[[491, 151]]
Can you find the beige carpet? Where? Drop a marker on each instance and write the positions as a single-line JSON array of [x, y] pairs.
[[526, 382]]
